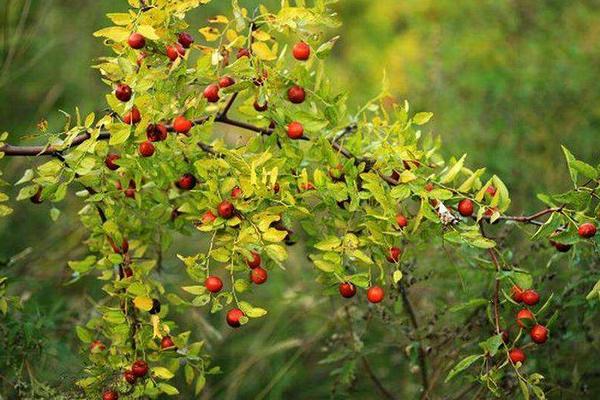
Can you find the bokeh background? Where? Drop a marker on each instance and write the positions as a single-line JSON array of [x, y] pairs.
[[508, 82]]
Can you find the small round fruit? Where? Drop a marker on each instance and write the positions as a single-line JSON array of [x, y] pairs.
[[226, 81], [587, 230], [491, 190], [347, 289], [233, 317], [401, 220], [185, 39], [530, 297], [516, 293], [130, 191], [182, 125], [213, 284], [301, 51], [139, 368], [276, 188], [155, 307], [428, 186], [97, 346], [243, 53], [110, 395], [375, 294], [505, 335], [136, 41], [127, 272], [109, 161], [37, 197], [260, 107], [516, 355], [226, 209], [236, 192], [129, 377], [146, 149], [132, 117], [254, 260], [187, 181], [465, 207], [539, 334], [211, 93], [258, 275], [174, 51], [561, 247], [394, 254], [296, 94], [295, 130], [208, 217], [167, 343], [522, 315], [123, 92], [156, 132]]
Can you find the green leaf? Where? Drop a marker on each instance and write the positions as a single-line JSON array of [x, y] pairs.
[[162, 373], [422, 118], [454, 170], [329, 243], [168, 389], [462, 365]]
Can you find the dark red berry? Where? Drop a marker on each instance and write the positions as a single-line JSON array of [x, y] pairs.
[[539, 334], [375, 294], [37, 197], [516, 293], [136, 41], [132, 117], [123, 92], [167, 343], [139, 368], [186, 182], [174, 51], [258, 275], [254, 260], [110, 395], [211, 93], [226, 81], [295, 130], [156, 132], [516, 355], [296, 94], [185, 39], [260, 107], [129, 377], [182, 125], [587, 230], [233, 317], [394, 254], [146, 149], [226, 209], [208, 217], [401, 220], [243, 53], [213, 284], [301, 51], [522, 315], [465, 207], [347, 289], [530, 297]]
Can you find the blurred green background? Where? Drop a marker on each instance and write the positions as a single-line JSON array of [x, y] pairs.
[[508, 82]]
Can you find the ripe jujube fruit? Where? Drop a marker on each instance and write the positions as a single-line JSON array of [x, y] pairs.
[[402, 221], [394, 254], [185, 39], [236, 192], [516, 355], [97, 346], [505, 335], [304, 186], [296, 94], [174, 51], [539, 334], [226, 209], [186, 182], [211, 93], [213, 284], [260, 107], [109, 161], [136, 41], [258, 275], [182, 125], [226, 81], [167, 343], [375, 294], [233, 317], [37, 197], [243, 52], [208, 217], [491, 190], [523, 315], [347, 289], [465, 207], [156, 132], [428, 187], [146, 149], [587, 230], [301, 51], [530, 297], [123, 92], [516, 293], [127, 272], [110, 395], [129, 377], [254, 260], [139, 368], [295, 130], [155, 307], [132, 117], [561, 247]]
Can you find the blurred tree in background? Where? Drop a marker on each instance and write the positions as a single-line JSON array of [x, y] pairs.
[[508, 82]]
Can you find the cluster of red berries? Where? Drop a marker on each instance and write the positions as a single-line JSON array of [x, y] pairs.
[[538, 332], [139, 369]]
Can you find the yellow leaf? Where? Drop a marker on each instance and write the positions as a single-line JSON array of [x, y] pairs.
[[210, 34], [148, 32], [218, 19], [143, 303], [261, 35], [162, 373], [115, 33], [262, 51]]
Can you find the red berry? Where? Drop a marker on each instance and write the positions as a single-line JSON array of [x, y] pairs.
[[523, 314], [347, 289], [186, 182], [539, 334], [132, 117], [37, 197], [236, 192], [109, 161], [97, 346], [233, 317], [174, 51], [123, 92], [505, 335], [375, 294], [428, 186], [156, 132], [260, 107], [254, 260], [226, 81], [587, 230], [276, 188], [307, 186], [530, 297], [129, 377], [127, 272], [295, 130], [491, 190], [136, 41], [243, 53], [225, 209], [301, 51], [185, 39], [516, 293], [401, 220], [465, 207], [167, 343], [394, 254], [258, 275], [211, 93], [110, 395], [140, 58], [516, 355], [130, 191], [213, 284], [561, 247], [146, 149], [139, 368], [182, 125], [208, 217], [296, 94]]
